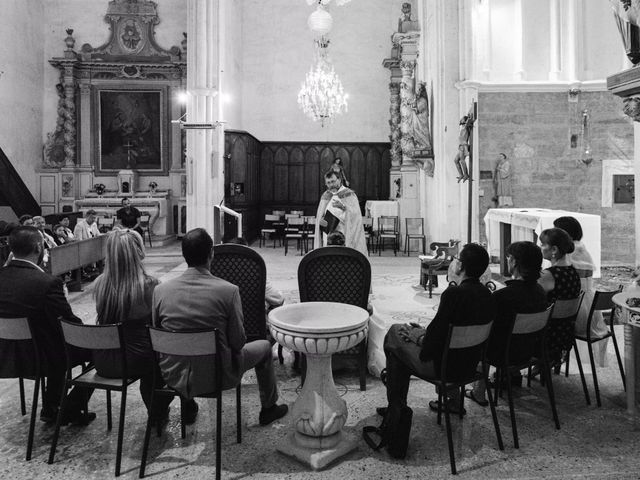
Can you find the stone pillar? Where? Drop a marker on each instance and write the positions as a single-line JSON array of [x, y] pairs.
[[407, 97], [394, 125], [87, 149], [204, 165]]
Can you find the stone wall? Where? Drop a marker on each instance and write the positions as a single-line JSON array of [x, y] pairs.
[[534, 130], [21, 86]]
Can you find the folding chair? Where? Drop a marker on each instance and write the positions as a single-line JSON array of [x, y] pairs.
[[601, 302], [465, 348], [105, 224], [194, 343], [95, 337], [294, 230], [19, 330]]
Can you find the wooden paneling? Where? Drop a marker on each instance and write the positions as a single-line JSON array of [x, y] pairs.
[[290, 175]]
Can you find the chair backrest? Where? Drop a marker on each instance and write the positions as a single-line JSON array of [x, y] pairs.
[[245, 268], [15, 329], [388, 224], [603, 300], [297, 212], [271, 218], [526, 336], [565, 309], [335, 274], [144, 219], [367, 223], [92, 337], [291, 216], [278, 213], [192, 343], [414, 226], [464, 349]]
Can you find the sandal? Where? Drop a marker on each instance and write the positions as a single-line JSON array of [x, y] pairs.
[[454, 409], [468, 393]]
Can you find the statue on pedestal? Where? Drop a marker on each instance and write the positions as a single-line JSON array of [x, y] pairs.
[[502, 182]]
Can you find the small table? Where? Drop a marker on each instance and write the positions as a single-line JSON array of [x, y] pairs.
[[630, 317], [318, 329]]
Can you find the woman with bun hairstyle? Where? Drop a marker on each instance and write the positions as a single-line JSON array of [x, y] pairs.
[[561, 282]]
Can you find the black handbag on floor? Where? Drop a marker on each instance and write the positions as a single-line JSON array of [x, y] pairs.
[[393, 432]]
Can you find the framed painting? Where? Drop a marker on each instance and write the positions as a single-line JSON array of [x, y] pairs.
[[132, 126]]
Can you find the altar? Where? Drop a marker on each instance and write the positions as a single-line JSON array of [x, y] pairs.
[[506, 225], [155, 205]]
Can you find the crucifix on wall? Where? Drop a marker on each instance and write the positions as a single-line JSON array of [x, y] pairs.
[[128, 146]]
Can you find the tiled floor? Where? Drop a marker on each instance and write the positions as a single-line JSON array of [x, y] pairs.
[[592, 443]]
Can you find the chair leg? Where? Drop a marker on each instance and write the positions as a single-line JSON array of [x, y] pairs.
[[615, 345], [584, 380], [23, 404], [595, 375], [566, 366], [494, 415], [218, 434], [439, 408], [32, 421], [109, 423], [447, 421], [512, 414], [238, 414], [123, 406], [147, 436], [56, 432], [183, 428], [362, 366], [552, 398]]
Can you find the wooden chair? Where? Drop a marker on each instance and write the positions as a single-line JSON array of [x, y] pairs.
[[295, 229], [464, 349], [299, 213], [146, 227], [602, 301], [309, 230], [524, 347], [195, 343], [270, 228], [245, 268], [388, 229], [430, 268], [414, 230], [338, 274], [19, 330], [95, 337]]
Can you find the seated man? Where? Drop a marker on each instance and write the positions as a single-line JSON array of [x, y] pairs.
[[64, 221], [197, 299], [129, 217], [27, 291], [412, 350], [86, 227], [523, 294]]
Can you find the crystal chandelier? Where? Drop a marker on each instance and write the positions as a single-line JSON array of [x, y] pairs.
[[321, 96]]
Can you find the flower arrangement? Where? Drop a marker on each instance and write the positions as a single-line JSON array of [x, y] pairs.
[[99, 188], [153, 186]]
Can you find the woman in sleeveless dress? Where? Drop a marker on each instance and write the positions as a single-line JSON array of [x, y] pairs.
[[561, 282]]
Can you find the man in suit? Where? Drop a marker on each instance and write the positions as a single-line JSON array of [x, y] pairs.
[[197, 299], [412, 350], [27, 291], [86, 227]]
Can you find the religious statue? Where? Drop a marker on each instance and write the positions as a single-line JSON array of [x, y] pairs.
[[53, 151], [338, 168], [398, 185], [627, 17], [502, 182], [420, 120], [405, 24], [466, 130]]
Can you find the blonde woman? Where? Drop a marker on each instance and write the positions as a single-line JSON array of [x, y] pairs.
[[123, 294]]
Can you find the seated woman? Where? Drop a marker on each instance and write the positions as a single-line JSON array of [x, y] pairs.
[[123, 294], [561, 282], [59, 235], [522, 294]]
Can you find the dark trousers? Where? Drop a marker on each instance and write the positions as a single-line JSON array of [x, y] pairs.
[[403, 360], [78, 397]]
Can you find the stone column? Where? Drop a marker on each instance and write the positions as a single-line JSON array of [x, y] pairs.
[[87, 149], [394, 125], [204, 165], [407, 97]]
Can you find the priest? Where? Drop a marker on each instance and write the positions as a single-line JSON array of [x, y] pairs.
[[339, 211]]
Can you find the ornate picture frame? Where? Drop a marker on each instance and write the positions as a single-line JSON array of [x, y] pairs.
[[132, 128]]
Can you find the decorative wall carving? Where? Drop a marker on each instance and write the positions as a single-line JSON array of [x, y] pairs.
[[394, 125], [631, 108], [54, 154]]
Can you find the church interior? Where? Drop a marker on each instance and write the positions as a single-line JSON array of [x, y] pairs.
[[481, 120]]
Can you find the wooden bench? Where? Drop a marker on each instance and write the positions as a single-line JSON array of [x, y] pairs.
[[75, 255]]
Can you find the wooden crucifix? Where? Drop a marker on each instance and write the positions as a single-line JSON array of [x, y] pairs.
[[128, 146]]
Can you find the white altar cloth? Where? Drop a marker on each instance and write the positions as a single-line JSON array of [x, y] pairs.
[[379, 208], [525, 221]]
